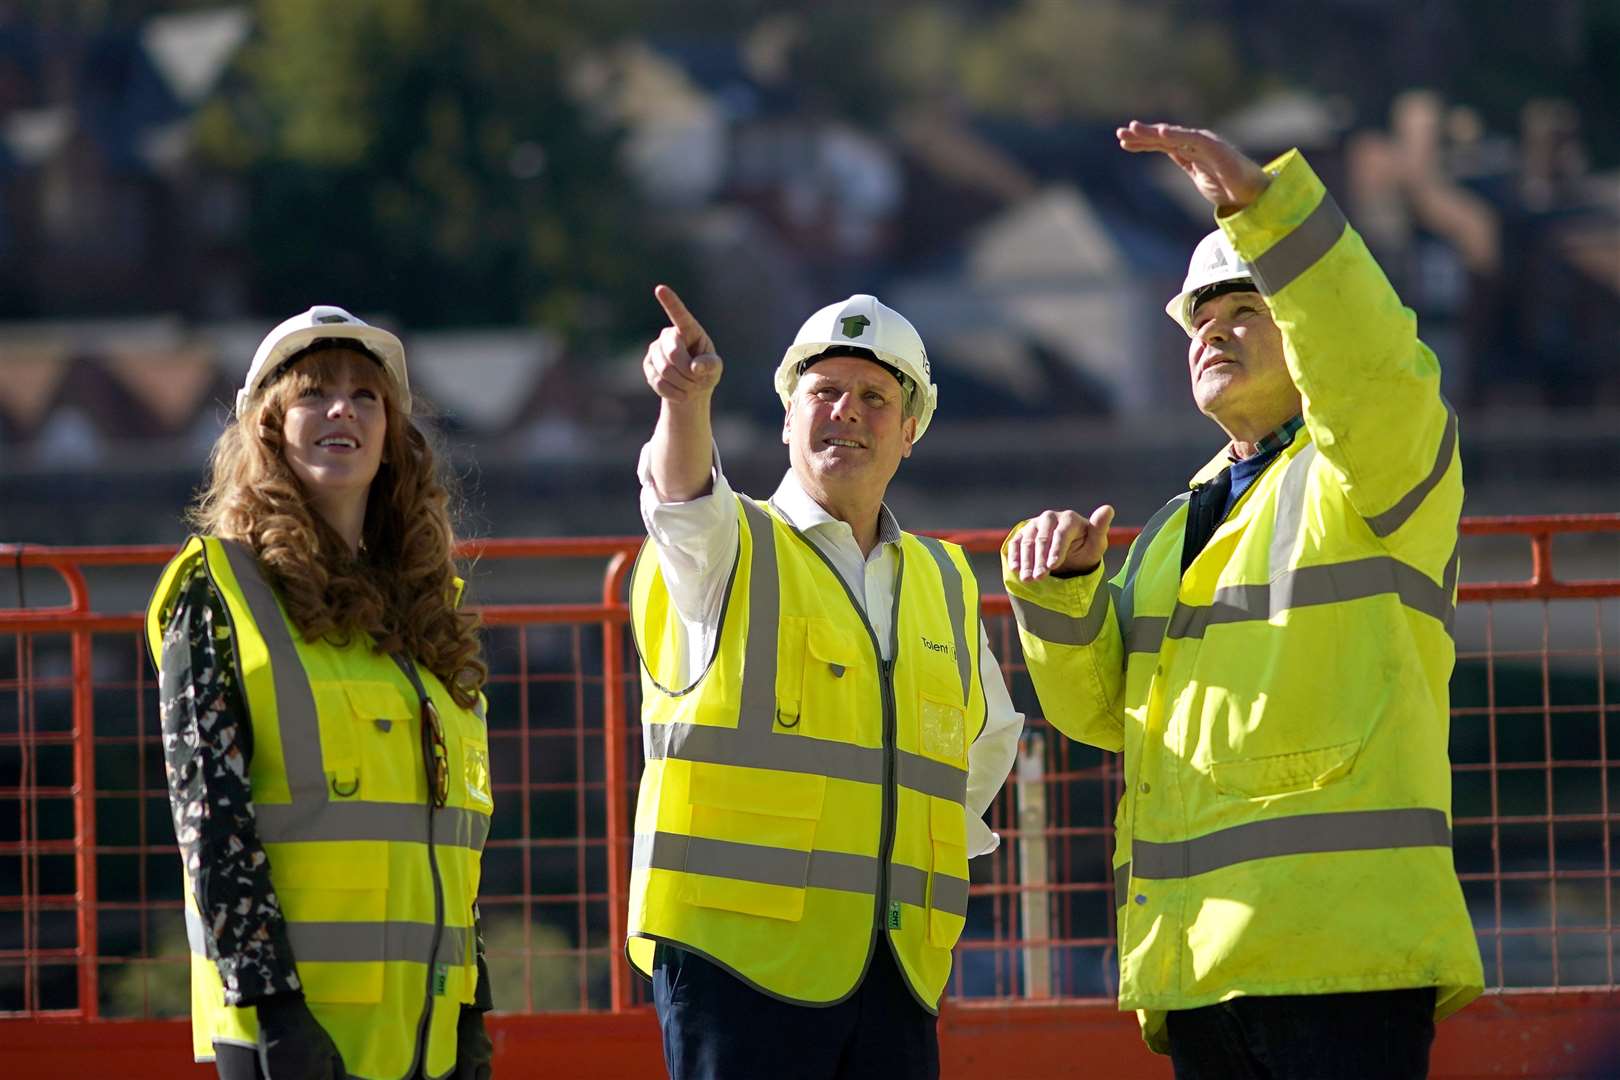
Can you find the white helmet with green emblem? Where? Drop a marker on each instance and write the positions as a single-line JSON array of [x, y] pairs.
[[863, 324]]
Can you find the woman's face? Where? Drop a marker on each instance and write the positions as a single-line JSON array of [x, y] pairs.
[[335, 428]]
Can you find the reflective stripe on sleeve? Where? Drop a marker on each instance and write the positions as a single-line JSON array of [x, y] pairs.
[[1058, 627], [1300, 249], [1386, 523]]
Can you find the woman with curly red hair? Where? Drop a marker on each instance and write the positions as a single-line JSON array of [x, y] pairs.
[[323, 729]]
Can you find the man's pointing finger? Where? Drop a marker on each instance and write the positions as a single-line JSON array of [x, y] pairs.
[[693, 336]]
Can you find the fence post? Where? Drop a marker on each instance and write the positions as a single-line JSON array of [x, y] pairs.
[[613, 776], [1033, 900]]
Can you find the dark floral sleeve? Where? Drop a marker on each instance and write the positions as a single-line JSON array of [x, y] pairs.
[[207, 743]]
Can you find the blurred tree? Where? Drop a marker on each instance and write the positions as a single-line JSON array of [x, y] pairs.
[[1041, 60], [425, 158]]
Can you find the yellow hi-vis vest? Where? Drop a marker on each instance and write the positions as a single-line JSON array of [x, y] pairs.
[[802, 794], [1283, 705], [376, 885]]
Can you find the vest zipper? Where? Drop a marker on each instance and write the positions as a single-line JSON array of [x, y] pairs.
[[885, 917], [424, 1026], [888, 915], [880, 920]]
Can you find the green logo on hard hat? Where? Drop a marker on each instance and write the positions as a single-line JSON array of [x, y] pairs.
[[854, 324]]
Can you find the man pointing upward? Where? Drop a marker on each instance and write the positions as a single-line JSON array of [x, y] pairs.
[[1273, 658], [824, 724]]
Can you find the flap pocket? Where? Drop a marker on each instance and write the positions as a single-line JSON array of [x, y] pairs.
[[335, 897], [752, 833], [1278, 774], [758, 792], [948, 881], [947, 822], [378, 700], [831, 647]]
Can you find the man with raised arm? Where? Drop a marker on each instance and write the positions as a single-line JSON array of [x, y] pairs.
[[1273, 658], [823, 721]]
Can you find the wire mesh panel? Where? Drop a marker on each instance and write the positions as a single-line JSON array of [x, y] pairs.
[[90, 883]]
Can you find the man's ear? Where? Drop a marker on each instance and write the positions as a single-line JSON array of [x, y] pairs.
[[909, 427], [787, 424]]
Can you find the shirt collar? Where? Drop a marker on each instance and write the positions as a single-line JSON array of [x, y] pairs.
[[1272, 441], [804, 513]]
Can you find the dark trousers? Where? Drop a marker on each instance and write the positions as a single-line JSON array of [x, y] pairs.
[[716, 1027], [1384, 1034]]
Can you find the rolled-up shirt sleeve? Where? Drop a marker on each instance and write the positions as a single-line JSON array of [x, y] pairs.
[[207, 746], [696, 541]]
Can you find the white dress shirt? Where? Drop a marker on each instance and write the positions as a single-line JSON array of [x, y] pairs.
[[696, 543]]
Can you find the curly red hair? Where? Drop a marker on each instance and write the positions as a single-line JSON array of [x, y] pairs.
[[401, 586]]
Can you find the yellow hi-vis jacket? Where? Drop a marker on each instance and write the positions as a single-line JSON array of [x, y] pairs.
[[376, 885], [803, 794], [1283, 705]]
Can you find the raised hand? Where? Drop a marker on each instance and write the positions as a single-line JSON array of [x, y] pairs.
[[1222, 173], [1059, 542], [681, 365]]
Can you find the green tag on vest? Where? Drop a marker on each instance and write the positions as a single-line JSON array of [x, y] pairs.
[[894, 914], [441, 979]]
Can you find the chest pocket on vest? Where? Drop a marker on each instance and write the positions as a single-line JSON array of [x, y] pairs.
[[824, 687], [752, 832], [374, 754]]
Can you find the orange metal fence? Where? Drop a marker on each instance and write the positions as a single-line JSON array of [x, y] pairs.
[[90, 903]]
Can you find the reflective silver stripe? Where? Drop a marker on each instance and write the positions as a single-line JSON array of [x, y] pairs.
[[1449, 583], [788, 753], [801, 754], [1290, 509], [950, 894], [196, 934], [1146, 634], [764, 626], [909, 885], [1397, 515], [755, 862], [1309, 586], [1307, 834], [295, 702], [1300, 249], [1122, 884], [930, 777], [369, 942], [951, 578], [1125, 602], [355, 942], [396, 822], [1061, 629]]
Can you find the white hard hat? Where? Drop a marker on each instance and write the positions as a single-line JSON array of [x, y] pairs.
[[1213, 261], [864, 322], [318, 324]]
